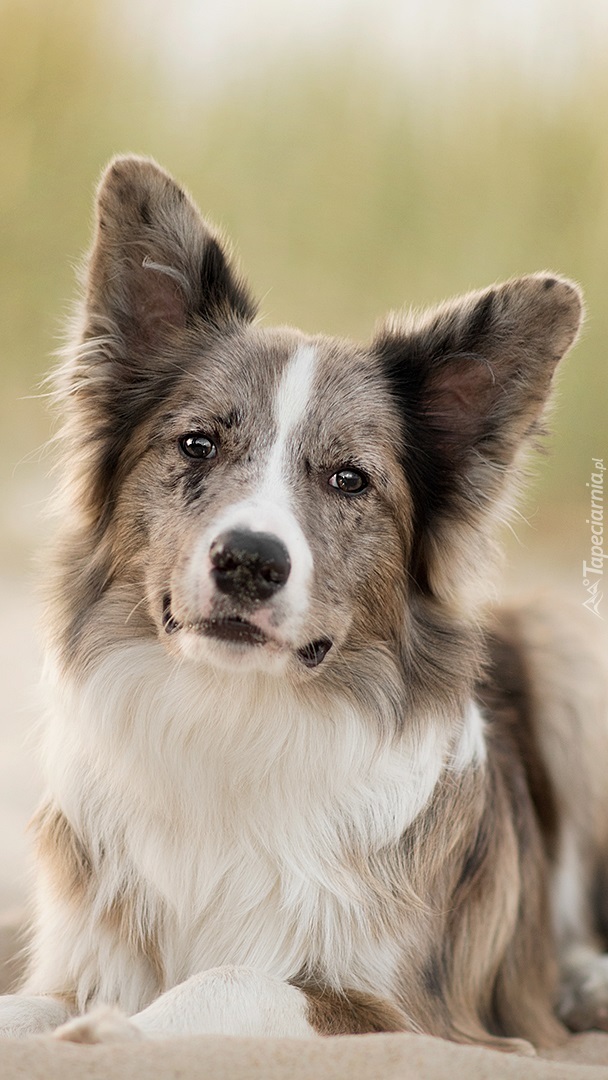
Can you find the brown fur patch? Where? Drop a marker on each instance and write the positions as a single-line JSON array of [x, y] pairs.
[[351, 1012], [62, 853], [479, 965], [138, 928]]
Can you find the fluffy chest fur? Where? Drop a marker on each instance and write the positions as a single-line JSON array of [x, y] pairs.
[[236, 819]]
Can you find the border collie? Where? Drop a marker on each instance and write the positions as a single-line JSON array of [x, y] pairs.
[[302, 778]]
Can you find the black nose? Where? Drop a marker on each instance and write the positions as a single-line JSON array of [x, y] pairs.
[[250, 566]]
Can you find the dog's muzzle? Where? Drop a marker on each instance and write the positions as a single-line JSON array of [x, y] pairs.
[[248, 568]]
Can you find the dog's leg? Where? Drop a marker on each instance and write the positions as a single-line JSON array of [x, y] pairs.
[[22, 1015], [223, 1001], [241, 1001], [583, 988], [583, 1001], [583, 991]]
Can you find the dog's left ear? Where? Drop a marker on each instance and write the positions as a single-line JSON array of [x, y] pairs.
[[471, 379]]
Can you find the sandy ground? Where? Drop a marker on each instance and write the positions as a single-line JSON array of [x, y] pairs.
[[20, 783]]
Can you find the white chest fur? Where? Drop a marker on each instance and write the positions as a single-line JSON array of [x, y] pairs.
[[236, 810]]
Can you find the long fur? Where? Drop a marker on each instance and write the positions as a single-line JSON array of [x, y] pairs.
[[359, 824]]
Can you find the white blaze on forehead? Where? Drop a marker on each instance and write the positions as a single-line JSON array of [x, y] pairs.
[[270, 506], [295, 388], [290, 407]]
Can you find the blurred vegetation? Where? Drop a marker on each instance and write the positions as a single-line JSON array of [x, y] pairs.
[[347, 190]]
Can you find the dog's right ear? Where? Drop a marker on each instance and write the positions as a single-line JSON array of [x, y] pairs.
[[155, 266]]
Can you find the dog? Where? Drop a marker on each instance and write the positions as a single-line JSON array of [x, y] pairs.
[[304, 777]]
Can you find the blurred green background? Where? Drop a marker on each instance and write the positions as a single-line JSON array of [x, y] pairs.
[[362, 155]]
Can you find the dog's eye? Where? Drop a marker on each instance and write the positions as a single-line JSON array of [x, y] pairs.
[[196, 445], [349, 481]]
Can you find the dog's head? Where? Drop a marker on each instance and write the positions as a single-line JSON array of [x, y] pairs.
[[271, 499]]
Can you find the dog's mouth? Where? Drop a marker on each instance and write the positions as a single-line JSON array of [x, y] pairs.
[[238, 631]]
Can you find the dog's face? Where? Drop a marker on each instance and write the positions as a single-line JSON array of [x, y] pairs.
[[270, 501], [282, 500]]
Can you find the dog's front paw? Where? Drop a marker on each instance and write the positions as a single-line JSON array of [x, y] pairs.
[[583, 1000], [21, 1015], [103, 1025]]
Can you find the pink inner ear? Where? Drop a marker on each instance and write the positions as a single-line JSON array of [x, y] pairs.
[[158, 300], [460, 396]]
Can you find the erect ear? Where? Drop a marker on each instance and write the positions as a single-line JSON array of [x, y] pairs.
[[156, 273], [471, 379], [155, 264]]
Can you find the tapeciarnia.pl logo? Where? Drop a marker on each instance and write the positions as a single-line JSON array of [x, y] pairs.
[[593, 571]]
